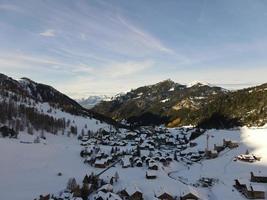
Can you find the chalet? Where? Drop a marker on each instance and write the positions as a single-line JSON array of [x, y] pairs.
[[210, 154], [85, 138], [259, 179], [162, 194], [102, 163], [192, 194], [189, 196], [192, 144], [255, 192], [251, 192], [151, 174], [240, 187], [230, 144], [47, 197], [106, 196], [169, 159], [248, 158], [126, 162], [156, 158], [106, 188], [84, 143], [143, 158], [218, 148], [130, 135], [153, 166], [132, 193], [162, 159], [139, 163]]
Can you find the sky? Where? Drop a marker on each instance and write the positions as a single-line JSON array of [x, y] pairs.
[[94, 47]]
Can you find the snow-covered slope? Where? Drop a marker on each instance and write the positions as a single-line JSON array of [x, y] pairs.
[[31, 169], [91, 101]]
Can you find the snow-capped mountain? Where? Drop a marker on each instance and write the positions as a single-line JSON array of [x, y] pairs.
[[197, 103], [159, 103], [92, 101], [26, 106]]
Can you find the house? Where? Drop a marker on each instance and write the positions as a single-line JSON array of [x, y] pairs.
[[139, 163], [132, 193], [251, 192], [153, 166], [102, 163], [247, 158], [131, 135], [240, 187], [211, 154], [151, 174], [218, 148], [106, 196], [192, 193], [230, 144], [255, 192], [162, 194], [189, 196], [126, 162], [259, 179], [106, 188]]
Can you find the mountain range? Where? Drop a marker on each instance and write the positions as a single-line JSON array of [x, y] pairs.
[[166, 102], [196, 104], [92, 101]]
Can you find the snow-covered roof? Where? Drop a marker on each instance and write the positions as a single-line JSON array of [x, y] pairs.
[[161, 190], [151, 173], [101, 161], [132, 189], [107, 196], [107, 187], [257, 187]]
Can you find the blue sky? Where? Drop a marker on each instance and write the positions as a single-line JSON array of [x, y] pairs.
[[86, 47]]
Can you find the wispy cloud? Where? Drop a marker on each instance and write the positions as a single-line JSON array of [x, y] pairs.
[[145, 38], [24, 61], [129, 68], [48, 33]]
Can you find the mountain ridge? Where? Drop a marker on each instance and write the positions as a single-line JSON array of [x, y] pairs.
[[175, 104]]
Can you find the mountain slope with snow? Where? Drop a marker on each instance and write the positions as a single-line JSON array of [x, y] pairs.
[[199, 103], [163, 102], [92, 101]]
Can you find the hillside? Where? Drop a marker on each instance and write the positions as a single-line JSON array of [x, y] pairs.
[[246, 107], [27, 106], [159, 103], [174, 105]]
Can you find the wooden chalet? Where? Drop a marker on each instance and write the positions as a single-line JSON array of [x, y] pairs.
[[151, 174], [162, 194], [258, 179], [132, 193], [251, 192]]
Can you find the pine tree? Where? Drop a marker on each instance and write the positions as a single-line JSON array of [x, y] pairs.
[[85, 191], [72, 184]]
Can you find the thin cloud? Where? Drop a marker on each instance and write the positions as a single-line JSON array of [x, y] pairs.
[[48, 33], [145, 38], [116, 70]]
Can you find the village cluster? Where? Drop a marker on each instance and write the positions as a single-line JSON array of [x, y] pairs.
[[150, 149]]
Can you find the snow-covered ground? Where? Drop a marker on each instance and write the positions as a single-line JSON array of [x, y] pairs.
[[28, 170]]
